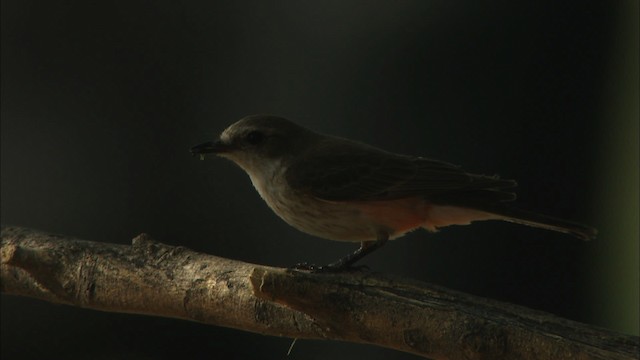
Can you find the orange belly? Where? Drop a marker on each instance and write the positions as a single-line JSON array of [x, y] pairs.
[[403, 215]]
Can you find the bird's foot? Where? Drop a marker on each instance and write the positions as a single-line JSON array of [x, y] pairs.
[[335, 267], [305, 266]]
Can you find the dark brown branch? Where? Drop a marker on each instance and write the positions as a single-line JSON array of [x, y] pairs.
[[155, 279]]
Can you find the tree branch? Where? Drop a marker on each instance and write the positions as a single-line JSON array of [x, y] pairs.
[[160, 280]]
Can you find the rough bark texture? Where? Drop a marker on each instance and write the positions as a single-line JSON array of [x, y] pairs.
[[155, 279]]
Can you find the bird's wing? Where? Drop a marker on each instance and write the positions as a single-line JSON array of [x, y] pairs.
[[341, 170]]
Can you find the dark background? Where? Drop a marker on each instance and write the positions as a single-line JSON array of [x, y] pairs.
[[102, 100]]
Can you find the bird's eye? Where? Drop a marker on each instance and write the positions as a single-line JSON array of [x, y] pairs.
[[254, 137]]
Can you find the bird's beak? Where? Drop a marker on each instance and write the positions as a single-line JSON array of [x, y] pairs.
[[215, 147]]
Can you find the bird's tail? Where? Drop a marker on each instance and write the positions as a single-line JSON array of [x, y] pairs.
[[528, 218]]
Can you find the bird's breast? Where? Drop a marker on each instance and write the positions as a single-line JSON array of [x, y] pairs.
[[343, 221]]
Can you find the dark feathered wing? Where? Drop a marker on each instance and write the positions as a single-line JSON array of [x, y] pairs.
[[340, 170]]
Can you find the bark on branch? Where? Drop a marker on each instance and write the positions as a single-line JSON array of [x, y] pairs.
[[156, 279]]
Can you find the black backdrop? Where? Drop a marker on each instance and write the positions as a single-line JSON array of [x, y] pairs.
[[101, 102]]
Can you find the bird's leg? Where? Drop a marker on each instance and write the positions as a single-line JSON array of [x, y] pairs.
[[366, 248]]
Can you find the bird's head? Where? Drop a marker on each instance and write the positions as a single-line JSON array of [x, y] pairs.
[[257, 141]]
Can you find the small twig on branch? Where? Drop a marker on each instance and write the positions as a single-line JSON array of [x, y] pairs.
[[156, 279]]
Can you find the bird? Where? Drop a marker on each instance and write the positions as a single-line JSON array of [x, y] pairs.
[[340, 189]]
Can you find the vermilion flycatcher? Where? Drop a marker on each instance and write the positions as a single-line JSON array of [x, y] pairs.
[[344, 190]]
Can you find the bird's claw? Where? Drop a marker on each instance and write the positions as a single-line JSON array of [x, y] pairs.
[[330, 268], [305, 266]]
